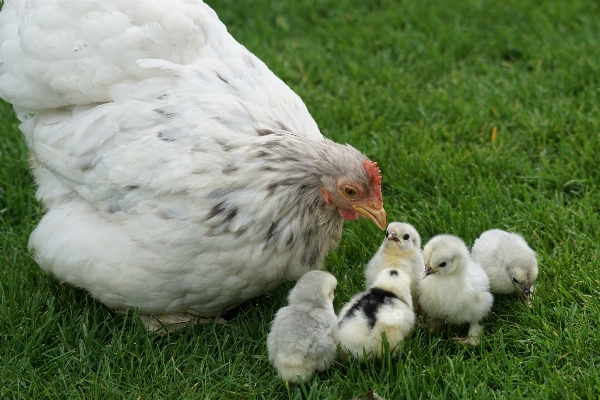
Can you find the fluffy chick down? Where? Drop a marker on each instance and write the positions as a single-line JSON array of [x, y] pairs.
[[400, 249], [510, 264], [455, 288], [303, 334], [386, 307]]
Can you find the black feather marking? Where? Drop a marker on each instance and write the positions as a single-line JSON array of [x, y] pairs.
[[287, 159], [271, 190], [249, 61], [290, 240], [267, 169], [262, 154], [166, 136], [162, 96], [393, 273], [164, 113], [264, 131], [132, 187], [369, 304], [216, 210], [271, 234], [225, 146], [272, 143], [87, 166], [223, 79], [231, 215], [307, 236], [230, 169], [283, 126], [312, 260]]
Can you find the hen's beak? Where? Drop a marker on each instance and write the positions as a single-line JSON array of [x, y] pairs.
[[375, 213]]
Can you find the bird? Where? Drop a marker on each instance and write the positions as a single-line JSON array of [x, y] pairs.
[[384, 308], [180, 176], [510, 264], [401, 249], [454, 287], [303, 336]]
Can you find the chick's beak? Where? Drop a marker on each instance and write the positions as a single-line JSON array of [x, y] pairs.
[[526, 290], [428, 271], [374, 212]]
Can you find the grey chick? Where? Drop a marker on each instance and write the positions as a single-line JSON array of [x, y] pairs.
[[455, 288], [401, 249], [507, 260], [386, 307], [303, 334]]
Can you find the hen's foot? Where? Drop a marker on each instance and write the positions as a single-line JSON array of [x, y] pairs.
[[163, 323]]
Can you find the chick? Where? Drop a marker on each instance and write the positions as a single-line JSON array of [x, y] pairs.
[[454, 288], [507, 260], [303, 335], [386, 307], [401, 249]]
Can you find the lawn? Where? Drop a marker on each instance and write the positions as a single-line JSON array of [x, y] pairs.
[[481, 113]]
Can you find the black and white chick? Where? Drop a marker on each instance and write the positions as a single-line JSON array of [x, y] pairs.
[[303, 334], [400, 249], [454, 288], [507, 260], [386, 307]]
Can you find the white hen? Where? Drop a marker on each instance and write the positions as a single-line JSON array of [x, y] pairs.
[[181, 176]]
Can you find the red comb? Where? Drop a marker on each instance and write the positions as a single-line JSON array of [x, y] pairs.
[[374, 175]]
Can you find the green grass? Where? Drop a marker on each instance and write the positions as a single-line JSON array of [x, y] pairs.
[[418, 86]]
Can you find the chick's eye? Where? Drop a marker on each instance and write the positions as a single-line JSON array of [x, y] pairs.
[[350, 192], [405, 237], [442, 265], [387, 234], [515, 280]]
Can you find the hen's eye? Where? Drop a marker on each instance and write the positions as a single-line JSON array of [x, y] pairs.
[[515, 280], [442, 265], [405, 237], [349, 192]]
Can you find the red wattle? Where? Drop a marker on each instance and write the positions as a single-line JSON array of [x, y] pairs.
[[349, 215]]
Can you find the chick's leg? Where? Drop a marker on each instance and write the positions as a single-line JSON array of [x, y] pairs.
[[472, 338], [433, 324]]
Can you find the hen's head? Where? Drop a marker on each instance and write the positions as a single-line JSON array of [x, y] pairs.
[[356, 193]]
